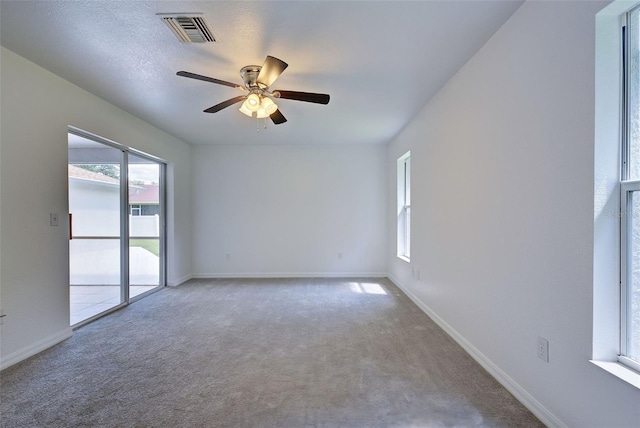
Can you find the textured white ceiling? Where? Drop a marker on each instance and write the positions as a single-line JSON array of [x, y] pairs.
[[379, 61]]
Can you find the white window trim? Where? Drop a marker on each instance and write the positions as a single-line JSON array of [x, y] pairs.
[[620, 371], [607, 194], [626, 188], [403, 248]]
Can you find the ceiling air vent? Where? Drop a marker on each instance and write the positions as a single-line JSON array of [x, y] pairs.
[[188, 28]]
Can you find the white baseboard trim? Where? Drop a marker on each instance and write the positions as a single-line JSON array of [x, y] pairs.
[[179, 281], [541, 412], [291, 275], [34, 348]]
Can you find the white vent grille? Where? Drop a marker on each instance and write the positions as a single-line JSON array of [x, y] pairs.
[[189, 28]]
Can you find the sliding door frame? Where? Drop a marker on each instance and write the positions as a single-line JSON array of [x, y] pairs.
[[124, 220]]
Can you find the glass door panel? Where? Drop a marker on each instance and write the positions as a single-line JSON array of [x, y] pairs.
[[95, 268], [146, 218]]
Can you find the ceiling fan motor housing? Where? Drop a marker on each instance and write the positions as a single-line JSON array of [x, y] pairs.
[[249, 75]]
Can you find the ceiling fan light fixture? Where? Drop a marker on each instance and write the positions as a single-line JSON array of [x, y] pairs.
[[245, 110], [268, 105], [253, 102], [262, 113]]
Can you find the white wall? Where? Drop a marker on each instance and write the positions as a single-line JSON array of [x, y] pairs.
[[503, 203], [37, 107], [288, 210]]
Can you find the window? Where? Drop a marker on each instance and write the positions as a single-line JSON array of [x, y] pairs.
[[630, 196], [144, 209], [404, 206], [150, 209]]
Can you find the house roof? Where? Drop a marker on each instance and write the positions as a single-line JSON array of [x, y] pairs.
[[84, 174], [144, 194], [138, 193]]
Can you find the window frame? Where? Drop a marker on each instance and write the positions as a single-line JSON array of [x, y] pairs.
[[626, 190], [404, 207], [628, 185]]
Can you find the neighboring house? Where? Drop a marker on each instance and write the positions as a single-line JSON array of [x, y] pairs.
[[144, 199], [94, 201], [144, 210]]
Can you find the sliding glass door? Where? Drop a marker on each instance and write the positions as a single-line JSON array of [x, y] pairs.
[[116, 206], [145, 224], [95, 248]]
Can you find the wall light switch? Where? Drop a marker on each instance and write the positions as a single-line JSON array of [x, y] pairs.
[[53, 219]]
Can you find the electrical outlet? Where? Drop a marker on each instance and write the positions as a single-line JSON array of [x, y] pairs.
[[543, 349], [228, 256]]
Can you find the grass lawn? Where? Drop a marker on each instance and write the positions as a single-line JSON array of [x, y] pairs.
[[151, 245]]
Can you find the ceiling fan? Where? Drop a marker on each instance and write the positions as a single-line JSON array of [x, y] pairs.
[[259, 100]]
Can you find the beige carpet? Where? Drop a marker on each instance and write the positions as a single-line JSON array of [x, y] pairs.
[[260, 353]]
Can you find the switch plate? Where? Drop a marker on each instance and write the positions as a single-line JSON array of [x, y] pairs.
[[53, 219], [543, 349]]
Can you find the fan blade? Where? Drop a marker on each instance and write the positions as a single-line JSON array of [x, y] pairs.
[[304, 96], [277, 117], [208, 79], [271, 69], [225, 104]]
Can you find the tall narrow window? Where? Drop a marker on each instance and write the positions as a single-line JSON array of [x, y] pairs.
[[404, 206], [630, 196]]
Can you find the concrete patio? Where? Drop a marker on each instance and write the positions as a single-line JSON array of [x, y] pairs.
[[89, 300], [95, 276]]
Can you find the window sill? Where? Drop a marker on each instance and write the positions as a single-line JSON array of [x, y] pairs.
[[405, 258], [620, 371]]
